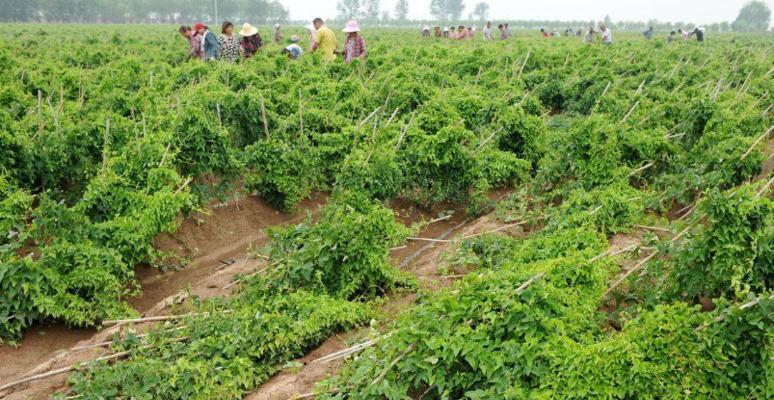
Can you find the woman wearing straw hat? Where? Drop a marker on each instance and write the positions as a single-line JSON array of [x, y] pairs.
[[354, 46], [251, 40]]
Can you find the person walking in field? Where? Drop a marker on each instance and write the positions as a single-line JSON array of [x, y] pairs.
[[251, 40], [324, 41], [426, 31], [277, 33], [438, 32], [293, 51], [672, 36], [230, 46], [355, 45], [210, 47], [607, 35], [488, 31], [194, 42]]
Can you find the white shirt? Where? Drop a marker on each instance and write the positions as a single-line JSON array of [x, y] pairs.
[[607, 36], [487, 33]]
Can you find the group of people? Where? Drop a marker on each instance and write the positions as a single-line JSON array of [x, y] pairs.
[[458, 33], [205, 46]]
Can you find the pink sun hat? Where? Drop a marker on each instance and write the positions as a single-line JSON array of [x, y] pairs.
[[352, 26]]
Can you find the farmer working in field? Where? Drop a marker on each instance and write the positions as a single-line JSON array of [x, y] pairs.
[[194, 42], [277, 33], [488, 31], [293, 51], [210, 46], [699, 32], [324, 40], [607, 35], [355, 45]]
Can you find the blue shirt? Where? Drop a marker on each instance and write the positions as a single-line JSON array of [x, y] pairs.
[[211, 47], [295, 51]]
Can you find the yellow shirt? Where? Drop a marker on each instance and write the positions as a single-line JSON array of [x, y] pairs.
[[326, 43]]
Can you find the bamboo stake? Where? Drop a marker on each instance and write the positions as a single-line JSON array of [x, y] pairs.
[[421, 239], [106, 144], [351, 350], [381, 376], [765, 188], [490, 138], [301, 111], [164, 156], [758, 140], [628, 273], [75, 367], [638, 170], [40, 110], [403, 133], [183, 186], [392, 117], [528, 283], [263, 117], [502, 228], [148, 319], [743, 307], [653, 228], [631, 110], [524, 63], [365, 121], [236, 282]]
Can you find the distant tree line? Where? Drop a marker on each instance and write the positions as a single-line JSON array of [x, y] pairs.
[[755, 16], [140, 11]]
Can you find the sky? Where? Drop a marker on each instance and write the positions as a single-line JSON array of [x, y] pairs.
[[698, 11]]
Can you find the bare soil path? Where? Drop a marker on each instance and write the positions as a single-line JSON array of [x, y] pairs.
[[225, 235]]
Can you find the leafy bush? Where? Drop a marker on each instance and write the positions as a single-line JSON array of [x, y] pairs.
[[731, 256], [345, 253]]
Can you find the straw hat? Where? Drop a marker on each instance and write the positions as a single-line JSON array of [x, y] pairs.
[[352, 26], [248, 30]]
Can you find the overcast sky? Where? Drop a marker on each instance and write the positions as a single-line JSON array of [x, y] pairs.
[[699, 11]]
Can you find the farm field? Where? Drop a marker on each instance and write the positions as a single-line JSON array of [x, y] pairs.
[[514, 219]]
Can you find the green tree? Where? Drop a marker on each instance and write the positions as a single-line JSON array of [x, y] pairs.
[[371, 10], [481, 11], [753, 17], [608, 21], [348, 9], [447, 10], [402, 10]]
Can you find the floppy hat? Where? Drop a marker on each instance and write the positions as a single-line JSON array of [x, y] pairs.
[[352, 26], [248, 30]]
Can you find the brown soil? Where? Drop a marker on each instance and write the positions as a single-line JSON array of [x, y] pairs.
[[424, 261], [225, 235], [768, 163]]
